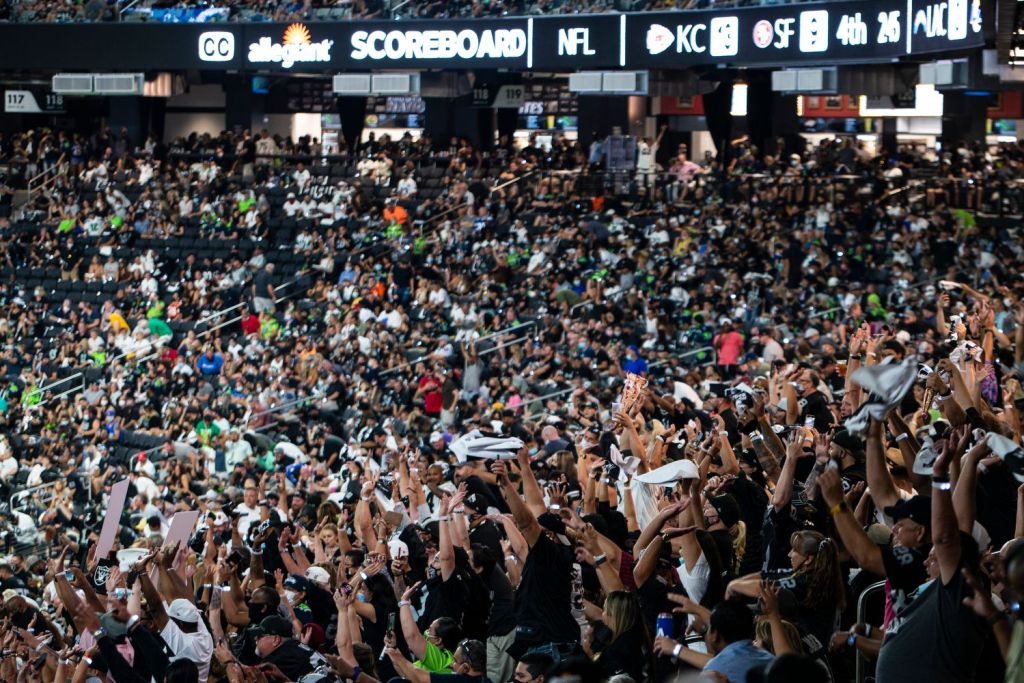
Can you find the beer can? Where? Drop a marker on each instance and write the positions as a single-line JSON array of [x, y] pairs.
[[665, 626]]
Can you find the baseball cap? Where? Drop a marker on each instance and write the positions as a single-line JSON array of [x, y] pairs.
[[274, 625], [845, 439], [552, 522], [298, 583], [398, 548], [728, 509], [917, 509], [319, 576], [183, 610]]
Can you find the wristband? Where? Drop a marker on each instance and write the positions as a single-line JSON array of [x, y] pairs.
[[404, 603], [600, 559], [364, 577], [867, 630], [852, 640], [132, 620], [944, 397], [676, 650], [459, 511], [512, 558], [838, 507], [356, 673], [941, 485], [902, 437], [87, 660], [443, 518]]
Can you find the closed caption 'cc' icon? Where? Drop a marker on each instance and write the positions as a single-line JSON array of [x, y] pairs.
[[217, 46]]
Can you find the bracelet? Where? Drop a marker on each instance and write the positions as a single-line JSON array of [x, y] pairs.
[[459, 511], [941, 485], [838, 507], [867, 630], [676, 650], [872, 354], [404, 603], [902, 437], [356, 673], [600, 559], [364, 577], [512, 558], [944, 397], [443, 518]]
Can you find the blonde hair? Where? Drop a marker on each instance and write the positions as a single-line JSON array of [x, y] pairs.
[[763, 631], [738, 534]]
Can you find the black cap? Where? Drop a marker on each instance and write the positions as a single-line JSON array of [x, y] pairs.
[[917, 509], [728, 509], [274, 625], [553, 522], [845, 439]]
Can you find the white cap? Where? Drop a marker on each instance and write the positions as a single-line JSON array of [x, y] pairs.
[[319, 576], [398, 549], [183, 610]]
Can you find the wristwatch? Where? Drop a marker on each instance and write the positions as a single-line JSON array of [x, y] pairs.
[[600, 559]]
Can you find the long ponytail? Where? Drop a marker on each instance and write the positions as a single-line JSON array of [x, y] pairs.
[[825, 587]]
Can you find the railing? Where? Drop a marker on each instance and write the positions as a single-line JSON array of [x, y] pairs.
[[44, 181], [154, 354], [19, 500], [860, 664]]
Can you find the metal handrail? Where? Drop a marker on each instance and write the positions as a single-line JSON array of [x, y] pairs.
[[150, 356], [45, 179], [868, 592], [681, 355]]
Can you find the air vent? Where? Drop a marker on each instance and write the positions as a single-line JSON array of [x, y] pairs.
[[352, 84], [119, 84], [396, 84], [619, 81], [72, 83], [586, 81]]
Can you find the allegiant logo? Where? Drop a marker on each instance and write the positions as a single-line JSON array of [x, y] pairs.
[[296, 47]]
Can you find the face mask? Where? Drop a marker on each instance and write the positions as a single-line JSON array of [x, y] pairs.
[[257, 612]]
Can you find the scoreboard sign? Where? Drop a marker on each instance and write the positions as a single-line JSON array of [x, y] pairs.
[[786, 34]]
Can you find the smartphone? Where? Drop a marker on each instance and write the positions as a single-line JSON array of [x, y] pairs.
[[346, 588], [809, 422], [391, 623]]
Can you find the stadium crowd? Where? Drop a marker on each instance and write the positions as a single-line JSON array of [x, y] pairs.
[[447, 415]]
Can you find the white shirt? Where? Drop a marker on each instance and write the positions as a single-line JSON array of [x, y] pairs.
[[147, 487], [8, 468], [196, 646], [246, 516]]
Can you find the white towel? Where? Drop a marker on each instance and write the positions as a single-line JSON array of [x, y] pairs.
[[887, 384], [476, 445]]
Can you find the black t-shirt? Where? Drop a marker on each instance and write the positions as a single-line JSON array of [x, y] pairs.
[[627, 654], [543, 598], [814, 405], [936, 639], [294, 659], [723, 541], [776, 531], [502, 618], [444, 599], [904, 567]]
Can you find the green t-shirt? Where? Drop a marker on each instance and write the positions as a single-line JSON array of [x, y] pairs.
[[435, 660], [206, 431]]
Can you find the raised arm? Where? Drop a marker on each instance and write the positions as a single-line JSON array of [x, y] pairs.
[[863, 550], [531, 489], [883, 488], [524, 518], [945, 530]]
